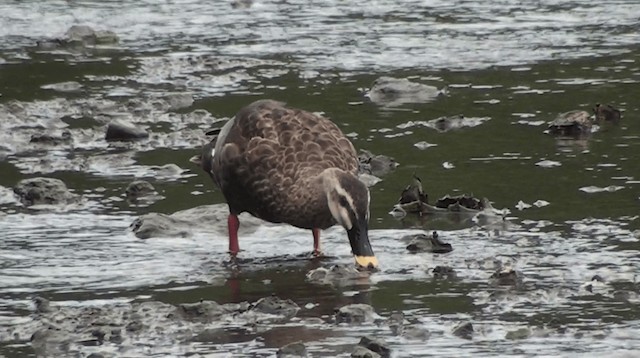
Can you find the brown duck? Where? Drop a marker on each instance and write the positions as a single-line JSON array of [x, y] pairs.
[[287, 165]]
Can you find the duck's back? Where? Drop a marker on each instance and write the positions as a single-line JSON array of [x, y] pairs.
[[266, 154]]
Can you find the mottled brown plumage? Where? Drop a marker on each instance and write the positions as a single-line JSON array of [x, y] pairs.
[[286, 165], [268, 160]]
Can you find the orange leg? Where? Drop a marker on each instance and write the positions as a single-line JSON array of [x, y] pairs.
[[233, 224], [316, 241]]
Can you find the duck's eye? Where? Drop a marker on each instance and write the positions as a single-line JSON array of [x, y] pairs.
[[343, 201]]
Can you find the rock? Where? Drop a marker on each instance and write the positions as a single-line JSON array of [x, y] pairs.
[[573, 123], [444, 272], [42, 305], [95, 355], [292, 350], [119, 130], [396, 323], [85, 35], [413, 193], [160, 225], [445, 124], [377, 165], [392, 92], [211, 218], [429, 243], [38, 191], [276, 306], [362, 352], [521, 333], [335, 275], [178, 100], [376, 345], [416, 332], [464, 330], [506, 277], [241, 4], [356, 313], [66, 87], [141, 190], [203, 311], [51, 139]]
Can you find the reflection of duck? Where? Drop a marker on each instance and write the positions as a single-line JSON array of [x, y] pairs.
[[286, 165]]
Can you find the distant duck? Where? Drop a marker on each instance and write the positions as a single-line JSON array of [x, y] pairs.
[[287, 165]]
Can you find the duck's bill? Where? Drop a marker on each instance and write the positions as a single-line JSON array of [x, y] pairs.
[[360, 245]]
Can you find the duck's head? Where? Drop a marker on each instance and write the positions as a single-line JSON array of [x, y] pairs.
[[348, 200]]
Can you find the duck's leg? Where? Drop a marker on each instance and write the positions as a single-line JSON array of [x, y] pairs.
[[316, 241], [233, 224]]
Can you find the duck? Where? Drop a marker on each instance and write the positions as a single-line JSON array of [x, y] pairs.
[[287, 165]]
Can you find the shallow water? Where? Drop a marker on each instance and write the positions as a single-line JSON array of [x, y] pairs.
[[509, 66]]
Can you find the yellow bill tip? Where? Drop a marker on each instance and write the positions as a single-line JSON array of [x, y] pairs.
[[367, 261]]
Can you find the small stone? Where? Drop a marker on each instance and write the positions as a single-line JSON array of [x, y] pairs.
[[362, 352], [356, 313], [178, 101], [506, 277], [376, 345], [42, 305], [119, 130], [276, 306], [292, 350], [521, 333], [464, 330], [139, 188], [51, 139], [95, 355]]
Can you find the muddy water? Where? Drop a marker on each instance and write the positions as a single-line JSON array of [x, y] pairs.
[[508, 66]]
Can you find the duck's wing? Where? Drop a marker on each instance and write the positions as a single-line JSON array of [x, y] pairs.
[[268, 147]]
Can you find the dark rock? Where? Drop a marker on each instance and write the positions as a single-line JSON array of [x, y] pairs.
[[356, 313], [119, 130], [241, 4], [429, 243], [292, 350], [51, 139], [391, 92], [276, 306], [37, 191], [597, 278], [378, 165], [464, 330], [362, 352], [376, 345], [460, 203], [95, 355]]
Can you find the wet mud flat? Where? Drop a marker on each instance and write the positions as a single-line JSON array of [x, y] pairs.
[[114, 243]]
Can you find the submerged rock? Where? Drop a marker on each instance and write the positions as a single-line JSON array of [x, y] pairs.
[[276, 306], [48, 191], [377, 165], [445, 124], [444, 272], [160, 225], [464, 330], [178, 100], [428, 243], [203, 311], [51, 138], [119, 130], [376, 345], [506, 277], [396, 323], [292, 350], [141, 191], [392, 92], [338, 275], [521, 333], [356, 313]]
